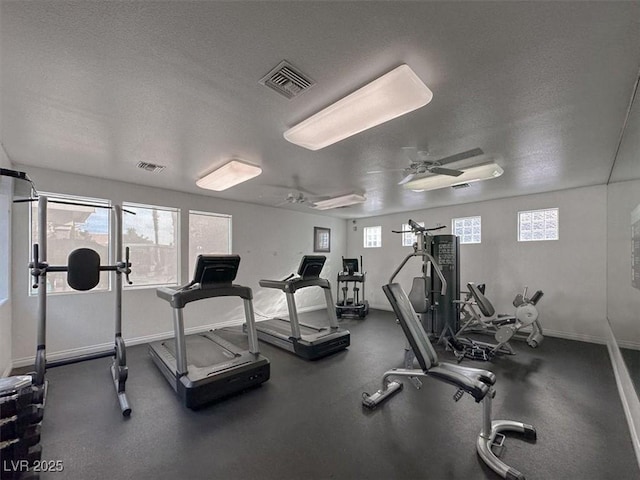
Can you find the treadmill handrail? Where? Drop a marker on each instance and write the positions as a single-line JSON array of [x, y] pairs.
[[291, 285], [179, 298]]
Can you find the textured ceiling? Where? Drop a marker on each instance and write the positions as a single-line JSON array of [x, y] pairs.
[[542, 87]]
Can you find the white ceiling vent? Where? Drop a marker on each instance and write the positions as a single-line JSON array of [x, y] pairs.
[[151, 167], [460, 185], [287, 80]]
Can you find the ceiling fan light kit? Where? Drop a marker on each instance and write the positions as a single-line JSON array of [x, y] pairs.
[[230, 174], [342, 201], [396, 93], [485, 171]]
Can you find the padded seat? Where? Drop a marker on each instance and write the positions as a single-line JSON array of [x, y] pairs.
[[476, 382]]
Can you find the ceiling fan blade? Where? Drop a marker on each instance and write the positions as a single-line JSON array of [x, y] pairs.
[[446, 171], [406, 179], [461, 156], [386, 170]]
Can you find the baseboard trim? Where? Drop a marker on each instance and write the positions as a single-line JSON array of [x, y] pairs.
[[384, 307], [628, 395], [629, 345], [7, 371], [580, 337], [103, 347]]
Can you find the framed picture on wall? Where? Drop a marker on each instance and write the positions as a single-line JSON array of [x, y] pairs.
[[321, 239]]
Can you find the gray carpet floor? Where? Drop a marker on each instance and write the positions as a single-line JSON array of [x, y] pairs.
[[307, 421]]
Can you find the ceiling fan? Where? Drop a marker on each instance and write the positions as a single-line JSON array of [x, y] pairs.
[[296, 198], [421, 166]]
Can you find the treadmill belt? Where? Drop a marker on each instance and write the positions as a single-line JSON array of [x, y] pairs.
[[283, 327], [201, 351]]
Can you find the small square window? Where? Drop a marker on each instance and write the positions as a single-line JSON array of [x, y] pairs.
[[408, 237], [372, 237], [469, 229], [538, 225]]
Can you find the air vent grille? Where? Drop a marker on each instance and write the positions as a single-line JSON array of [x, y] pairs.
[[287, 80], [460, 185], [151, 167]]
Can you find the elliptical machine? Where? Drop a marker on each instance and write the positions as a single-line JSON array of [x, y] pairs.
[[352, 305]]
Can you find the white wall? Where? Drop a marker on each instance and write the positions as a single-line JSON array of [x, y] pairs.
[[570, 271], [270, 242], [5, 258], [623, 300]]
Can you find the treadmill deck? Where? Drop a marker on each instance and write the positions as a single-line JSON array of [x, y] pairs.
[[216, 368], [314, 342]]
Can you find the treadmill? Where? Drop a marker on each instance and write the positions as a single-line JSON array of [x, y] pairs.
[[204, 367], [307, 341]]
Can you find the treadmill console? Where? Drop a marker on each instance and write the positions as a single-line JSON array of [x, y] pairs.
[[311, 266], [215, 270]]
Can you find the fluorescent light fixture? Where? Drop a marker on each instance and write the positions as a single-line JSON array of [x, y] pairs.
[[398, 92], [228, 175], [485, 171], [336, 202]]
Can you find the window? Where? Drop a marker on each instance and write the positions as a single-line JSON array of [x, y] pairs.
[[209, 233], [469, 229], [75, 222], [409, 238], [372, 237], [152, 237], [535, 225]]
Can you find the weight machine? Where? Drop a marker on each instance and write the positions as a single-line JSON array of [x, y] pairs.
[[479, 316], [433, 294], [434, 297]]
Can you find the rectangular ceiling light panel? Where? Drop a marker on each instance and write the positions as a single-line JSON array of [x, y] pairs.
[[230, 174], [486, 171], [343, 201], [398, 92]]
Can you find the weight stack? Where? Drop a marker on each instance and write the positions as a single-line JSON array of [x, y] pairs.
[[446, 251], [20, 422]]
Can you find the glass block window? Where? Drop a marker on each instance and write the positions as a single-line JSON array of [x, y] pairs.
[[469, 229], [409, 238], [536, 225], [209, 233], [74, 222], [372, 237], [152, 237]]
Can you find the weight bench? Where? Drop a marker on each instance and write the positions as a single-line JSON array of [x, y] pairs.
[[476, 382]]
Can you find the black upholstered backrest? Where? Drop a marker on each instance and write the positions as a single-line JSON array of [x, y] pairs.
[[83, 269], [485, 306], [419, 294], [411, 326]]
